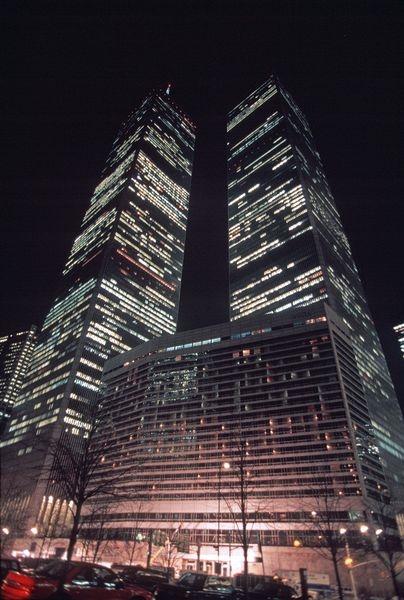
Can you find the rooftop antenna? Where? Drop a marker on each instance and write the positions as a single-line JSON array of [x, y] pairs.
[[168, 90]]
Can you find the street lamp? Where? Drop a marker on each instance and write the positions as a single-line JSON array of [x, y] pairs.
[[5, 530], [226, 467], [34, 530], [349, 562]]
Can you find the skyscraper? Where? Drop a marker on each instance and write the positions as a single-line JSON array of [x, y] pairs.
[[288, 248], [120, 284], [399, 331], [15, 355]]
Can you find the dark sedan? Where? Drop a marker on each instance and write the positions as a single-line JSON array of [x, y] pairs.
[[8, 564], [199, 586]]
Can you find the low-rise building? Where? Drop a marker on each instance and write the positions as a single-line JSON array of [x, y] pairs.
[[256, 426]]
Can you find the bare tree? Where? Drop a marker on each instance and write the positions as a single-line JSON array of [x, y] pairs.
[[383, 541], [76, 475], [51, 530], [11, 512], [241, 500], [94, 530], [325, 520], [133, 546], [171, 551]]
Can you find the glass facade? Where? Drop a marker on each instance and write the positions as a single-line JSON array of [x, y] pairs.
[[121, 281], [15, 355], [287, 246]]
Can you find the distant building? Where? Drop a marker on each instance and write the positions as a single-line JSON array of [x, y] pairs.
[[399, 330], [288, 248], [283, 391], [15, 356], [120, 286]]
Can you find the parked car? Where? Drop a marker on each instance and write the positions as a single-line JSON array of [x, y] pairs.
[[199, 586], [62, 580], [8, 564], [150, 579], [272, 589], [29, 564]]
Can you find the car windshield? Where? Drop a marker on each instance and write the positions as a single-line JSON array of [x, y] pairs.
[[136, 574], [151, 575], [7, 563], [53, 569], [217, 583]]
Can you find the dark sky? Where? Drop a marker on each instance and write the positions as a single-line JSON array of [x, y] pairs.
[[74, 70]]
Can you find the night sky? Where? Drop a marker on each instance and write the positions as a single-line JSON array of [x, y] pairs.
[[74, 70]]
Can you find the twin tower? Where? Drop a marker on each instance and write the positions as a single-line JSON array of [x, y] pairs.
[[120, 287]]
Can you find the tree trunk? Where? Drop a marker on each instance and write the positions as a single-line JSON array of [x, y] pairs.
[[245, 578], [149, 548], [97, 549], [132, 553], [74, 533], [198, 557], [337, 577]]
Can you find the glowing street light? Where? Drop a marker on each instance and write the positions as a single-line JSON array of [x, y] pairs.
[[363, 528], [348, 562], [297, 543], [5, 530], [34, 530], [313, 513], [379, 531]]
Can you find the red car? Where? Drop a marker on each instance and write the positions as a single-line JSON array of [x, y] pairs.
[[61, 580]]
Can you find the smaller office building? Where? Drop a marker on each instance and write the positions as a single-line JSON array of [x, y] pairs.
[[262, 420]]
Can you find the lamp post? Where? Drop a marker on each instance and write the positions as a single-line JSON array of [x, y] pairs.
[[34, 532], [348, 562], [225, 466], [5, 531]]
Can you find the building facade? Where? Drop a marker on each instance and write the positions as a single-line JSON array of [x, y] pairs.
[[399, 331], [120, 285], [287, 245], [15, 356], [276, 400]]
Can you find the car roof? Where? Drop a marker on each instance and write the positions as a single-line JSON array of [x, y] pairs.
[[78, 563]]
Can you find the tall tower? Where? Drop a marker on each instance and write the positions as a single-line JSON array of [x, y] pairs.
[[15, 355], [287, 246], [120, 284], [399, 331]]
